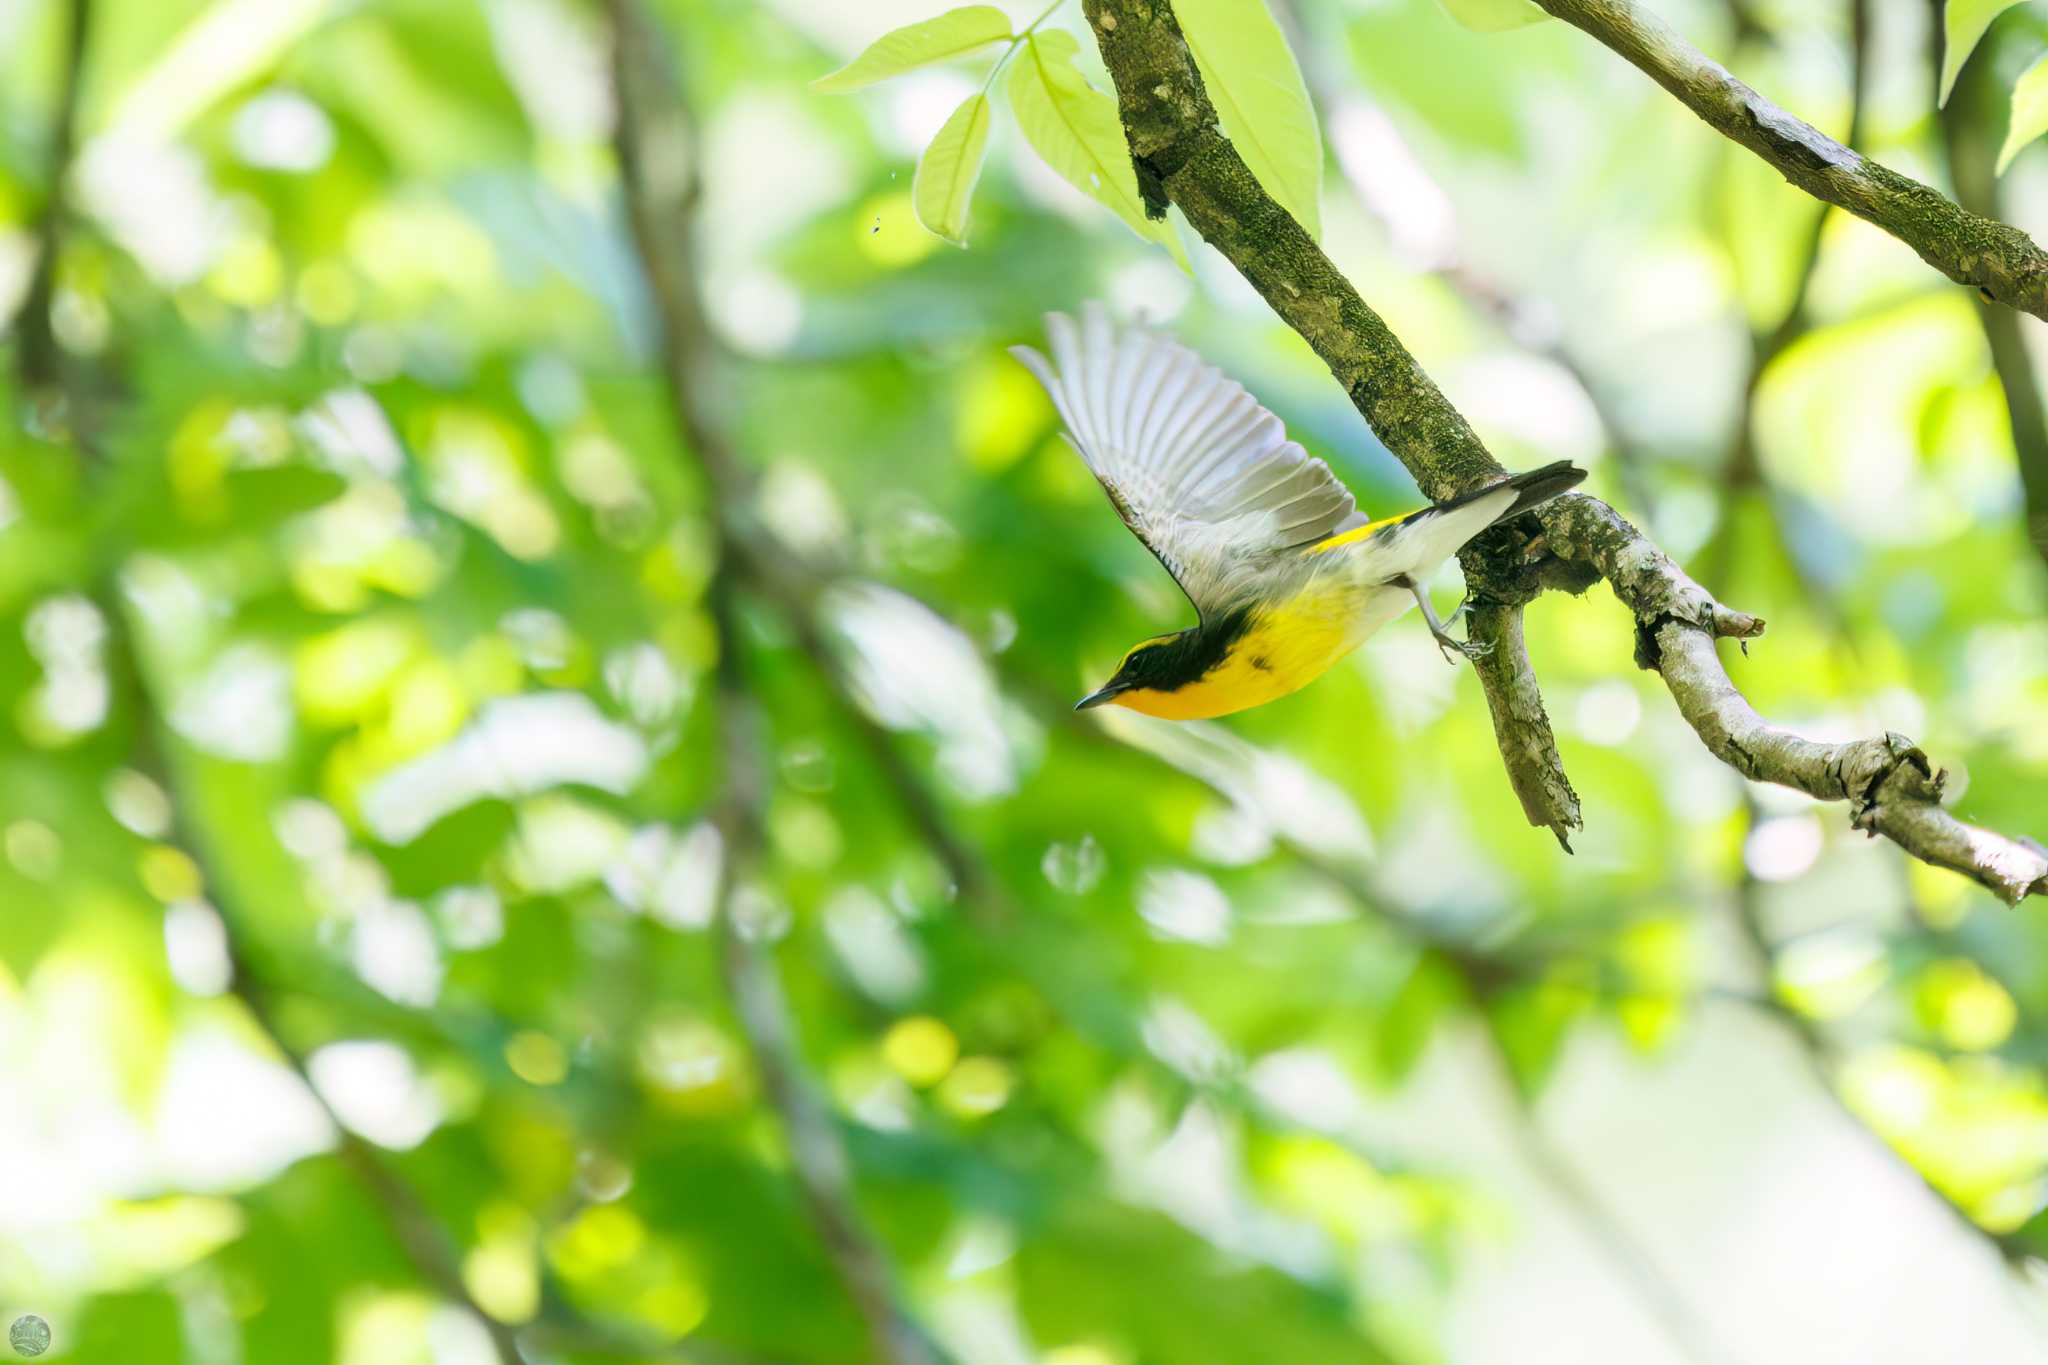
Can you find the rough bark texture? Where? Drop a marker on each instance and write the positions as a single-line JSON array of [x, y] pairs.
[[2002, 263], [1521, 724], [1182, 158]]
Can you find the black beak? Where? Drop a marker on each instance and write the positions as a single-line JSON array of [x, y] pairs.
[[1101, 695]]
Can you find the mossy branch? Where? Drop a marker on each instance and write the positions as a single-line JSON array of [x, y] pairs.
[[1183, 158], [2002, 263]]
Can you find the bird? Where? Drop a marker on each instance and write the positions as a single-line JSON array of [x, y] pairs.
[[1286, 575]]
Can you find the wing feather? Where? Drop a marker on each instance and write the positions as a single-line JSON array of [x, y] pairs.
[[1201, 473]]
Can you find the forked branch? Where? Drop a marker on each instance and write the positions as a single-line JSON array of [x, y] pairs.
[[1183, 158]]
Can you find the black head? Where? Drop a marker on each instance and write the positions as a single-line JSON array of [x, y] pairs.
[[1167, 663]]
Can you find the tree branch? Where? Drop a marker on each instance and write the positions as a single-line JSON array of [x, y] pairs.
[[660, 201], [1822, 1056], [658, 150], [1967, 125], [1692, 1334], [1891, 787], [1529, 324], [41, 362], [2000, 261], [1183, 158], [412, 1224]]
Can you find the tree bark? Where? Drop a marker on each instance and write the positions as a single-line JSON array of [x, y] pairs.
[[1182, 158], [2002, 263]]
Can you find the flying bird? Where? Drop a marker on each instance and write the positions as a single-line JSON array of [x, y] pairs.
[[1286, 575]]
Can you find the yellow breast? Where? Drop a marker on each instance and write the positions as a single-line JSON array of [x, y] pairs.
[[1288, 646]]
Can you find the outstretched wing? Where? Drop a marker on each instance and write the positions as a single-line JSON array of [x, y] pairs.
[[1202, 474]]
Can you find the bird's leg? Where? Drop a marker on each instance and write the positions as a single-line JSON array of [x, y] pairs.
[[1445, 641]]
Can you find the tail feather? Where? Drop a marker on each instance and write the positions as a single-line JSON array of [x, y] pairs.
[[1418, 543], [1533, 487]]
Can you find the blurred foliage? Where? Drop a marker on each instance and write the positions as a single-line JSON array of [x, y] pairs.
[[352, 631]]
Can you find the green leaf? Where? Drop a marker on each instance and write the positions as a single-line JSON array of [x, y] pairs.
[[1075, 128], [1493, 16], [1257, 86], [1963, 23], [952, 34], [948, 169], [2029, 112]]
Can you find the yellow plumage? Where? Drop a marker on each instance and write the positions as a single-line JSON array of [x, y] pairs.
[[1288, 645], [1287, 576]]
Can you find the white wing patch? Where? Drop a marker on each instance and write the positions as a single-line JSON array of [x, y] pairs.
[[1202, 474]]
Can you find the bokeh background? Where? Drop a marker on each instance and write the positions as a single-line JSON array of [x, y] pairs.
[[367, 993]]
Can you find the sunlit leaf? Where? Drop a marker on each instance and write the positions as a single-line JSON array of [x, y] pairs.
[[1076, 129], [947, 171], [1493, 16], [2029, 112], [1257, 86], [952, 34], [1963, 24]]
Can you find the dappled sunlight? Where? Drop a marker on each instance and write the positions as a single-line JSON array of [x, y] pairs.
[[541, 810], [373, 1088], [1268, 789], [516, 746], [914, 671]]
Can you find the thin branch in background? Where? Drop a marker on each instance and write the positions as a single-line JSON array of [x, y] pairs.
[[1969, 137], [1742, 471], [412, 1224], [660, 202], [1483, 973], [1692, 1334], [972, 881], [44, 371], [1823, 1058], [1743, 474], [42, 364], [1183, 158], [1995, 258]]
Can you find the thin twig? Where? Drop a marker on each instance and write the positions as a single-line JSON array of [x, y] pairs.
[[1995, 258], [661, 195]]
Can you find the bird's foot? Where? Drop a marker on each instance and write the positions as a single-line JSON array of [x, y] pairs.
[[1455, 649]]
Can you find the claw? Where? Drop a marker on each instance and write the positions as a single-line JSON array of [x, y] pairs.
[[1454, 648]]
